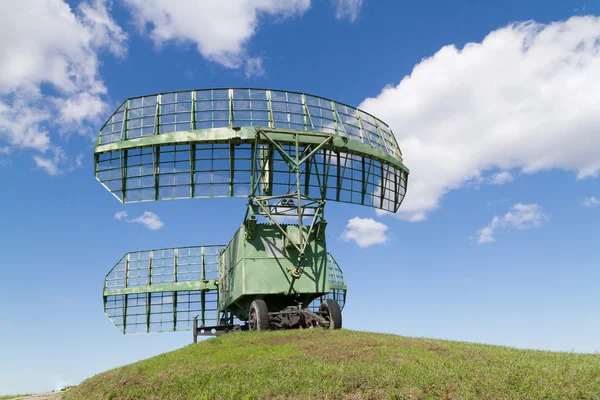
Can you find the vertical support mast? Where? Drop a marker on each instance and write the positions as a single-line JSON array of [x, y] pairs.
[[272, 206], [298, 194]]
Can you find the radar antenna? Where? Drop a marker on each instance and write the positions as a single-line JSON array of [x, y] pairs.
[[288, 153]]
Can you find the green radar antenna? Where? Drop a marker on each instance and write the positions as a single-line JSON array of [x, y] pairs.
[[288, 153]]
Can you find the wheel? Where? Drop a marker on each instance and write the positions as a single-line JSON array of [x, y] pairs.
[[258, 317], [330, 310]]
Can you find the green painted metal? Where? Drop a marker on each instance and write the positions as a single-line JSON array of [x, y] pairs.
[[147, 136], [247, 135], [162, 290], [172, 287], [238, 107], [289, 153], [260, 268]]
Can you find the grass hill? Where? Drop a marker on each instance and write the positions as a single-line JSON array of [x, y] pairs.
[[318, 364]]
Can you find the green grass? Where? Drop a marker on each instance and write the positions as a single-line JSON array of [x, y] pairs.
[[318, 364], [13, 396]]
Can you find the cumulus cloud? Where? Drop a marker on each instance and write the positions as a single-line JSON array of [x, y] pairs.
[[80, 107], [349, 9], [120, 215], [254, 67], [21, 124], [524, 98], [103, 30], [49, 71], [501, 178], [520, 216], [50, 165], [79, 160], [56, 162], [220, 30], [590, 202], [365, 232], [149, 220]]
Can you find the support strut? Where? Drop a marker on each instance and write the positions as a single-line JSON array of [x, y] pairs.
[[262, 202]]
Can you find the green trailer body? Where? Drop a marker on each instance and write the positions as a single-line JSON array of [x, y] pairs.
[[260, 268]]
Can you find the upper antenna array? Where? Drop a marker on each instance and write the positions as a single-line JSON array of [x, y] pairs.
[[247, 143]]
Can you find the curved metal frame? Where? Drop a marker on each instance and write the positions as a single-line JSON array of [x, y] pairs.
[[158, 147], [203, 109]]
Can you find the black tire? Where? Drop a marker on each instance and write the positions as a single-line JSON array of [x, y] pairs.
[[258, 317], [330, 310]]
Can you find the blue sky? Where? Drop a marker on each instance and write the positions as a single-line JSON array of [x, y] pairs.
[[497, 241]]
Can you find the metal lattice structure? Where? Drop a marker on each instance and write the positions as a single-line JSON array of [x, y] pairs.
[[205, 143], [288, 153], [163, 290]]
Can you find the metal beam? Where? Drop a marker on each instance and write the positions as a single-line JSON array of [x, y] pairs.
[[167, 287], [248, 135]]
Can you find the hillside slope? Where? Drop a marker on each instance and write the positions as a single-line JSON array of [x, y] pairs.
[[318, 364]]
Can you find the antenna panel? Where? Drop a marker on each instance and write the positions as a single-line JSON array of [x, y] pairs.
[[221, 142], [337, 286], [163, 290]]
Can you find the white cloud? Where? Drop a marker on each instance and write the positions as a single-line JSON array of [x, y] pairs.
[[120, 215], [51, 44], [501, 178], [149, 219], [21, 124], [590, 202], [49, 71], [103, 30], [219, 29], [520, 216], [47, 164], [80, 107], [349, 9], [79, 160], [51, 165], [486, 235], [365, 232], [524, 98], [254, 67], [58, 163]]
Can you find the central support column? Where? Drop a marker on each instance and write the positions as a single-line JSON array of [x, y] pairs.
[[300, 157]]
